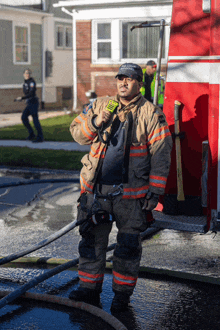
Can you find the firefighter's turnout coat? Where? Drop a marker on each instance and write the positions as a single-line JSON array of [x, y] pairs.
[[151, 143]]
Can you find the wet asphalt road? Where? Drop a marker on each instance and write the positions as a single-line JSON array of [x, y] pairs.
[[33, 212]]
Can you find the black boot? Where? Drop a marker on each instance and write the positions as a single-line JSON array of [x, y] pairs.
[[31, 137], [38, 139], [86, 295], [120, 301]]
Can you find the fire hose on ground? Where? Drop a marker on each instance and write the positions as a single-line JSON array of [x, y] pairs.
[[17, 293], [40, 278], [11, 296], [21, 292], [108, 318]]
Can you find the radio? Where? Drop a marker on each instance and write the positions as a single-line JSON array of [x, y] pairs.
[[111, 106]]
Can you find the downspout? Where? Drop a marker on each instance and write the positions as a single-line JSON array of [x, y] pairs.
[[43, 5], [74, 57], [43, 66], [43, 58], [74, 63]]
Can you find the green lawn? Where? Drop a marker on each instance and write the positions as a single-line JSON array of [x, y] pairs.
[[54, 129], [38, 158]]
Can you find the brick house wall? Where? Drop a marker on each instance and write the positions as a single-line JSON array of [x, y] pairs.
[[100, 78], [7, 97], [83, 46], [8, 105]]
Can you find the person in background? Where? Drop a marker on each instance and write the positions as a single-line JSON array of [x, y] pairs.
[[121, 180], [161, 87], [148, 76], [32, 105]]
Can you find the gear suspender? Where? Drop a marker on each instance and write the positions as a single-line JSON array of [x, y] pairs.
[[127, 149]]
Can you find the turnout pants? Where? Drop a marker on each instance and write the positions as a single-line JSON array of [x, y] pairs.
[[131, 220]]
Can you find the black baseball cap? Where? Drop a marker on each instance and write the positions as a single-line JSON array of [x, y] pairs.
[[130, 70], [152, 63]]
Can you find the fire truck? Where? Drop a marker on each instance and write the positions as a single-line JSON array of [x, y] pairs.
[[191, 106]]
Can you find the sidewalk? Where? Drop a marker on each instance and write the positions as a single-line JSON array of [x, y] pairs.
[[11, 119], [70, 146]]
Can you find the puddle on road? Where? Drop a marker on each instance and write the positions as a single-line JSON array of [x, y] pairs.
[[42, 316], [155, 305]]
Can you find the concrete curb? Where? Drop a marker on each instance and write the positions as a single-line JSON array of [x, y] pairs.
[[32, 172]]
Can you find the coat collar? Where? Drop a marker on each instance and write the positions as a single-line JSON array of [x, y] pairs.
[[132, 106]]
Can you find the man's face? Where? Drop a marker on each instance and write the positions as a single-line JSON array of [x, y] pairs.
[[150, 69], [127, 87], [26, 74]]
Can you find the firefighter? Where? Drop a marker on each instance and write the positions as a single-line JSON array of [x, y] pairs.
[[122, 178], [161, 86], [148, 76], [32, 104]]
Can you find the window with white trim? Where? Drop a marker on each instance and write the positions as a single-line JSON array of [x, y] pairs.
[[114, 42], [21, 44], [63, 36]]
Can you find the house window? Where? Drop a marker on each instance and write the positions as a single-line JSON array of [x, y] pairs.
[[21, 44], [63, 36], [140, 43], [59, 38]]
